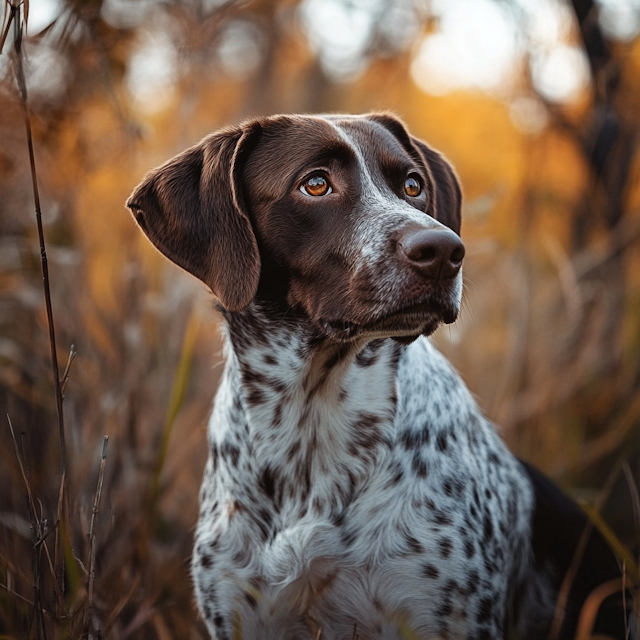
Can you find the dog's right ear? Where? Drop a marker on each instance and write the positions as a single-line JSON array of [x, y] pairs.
[[448, 205], [192, 209]]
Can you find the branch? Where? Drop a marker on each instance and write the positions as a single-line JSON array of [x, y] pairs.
[[92, 531], [22, 87]]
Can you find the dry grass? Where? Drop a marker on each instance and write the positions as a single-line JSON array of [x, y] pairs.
[[71, 569]]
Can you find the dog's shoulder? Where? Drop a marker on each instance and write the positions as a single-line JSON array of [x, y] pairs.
[[432, 395], [468, 461]]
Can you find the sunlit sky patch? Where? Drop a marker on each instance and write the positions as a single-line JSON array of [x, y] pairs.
[[240, 48], [475, 46], [41, 14], [620, 19], [480, 42], [338, 32], [152, 70]]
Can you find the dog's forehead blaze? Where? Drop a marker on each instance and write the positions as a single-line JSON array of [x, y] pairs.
[[378, 146]]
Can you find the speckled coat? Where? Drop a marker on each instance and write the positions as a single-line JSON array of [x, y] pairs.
[[357, 487], [353, 488]]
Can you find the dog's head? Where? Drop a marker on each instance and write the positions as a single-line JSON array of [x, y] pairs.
[[346, 219]]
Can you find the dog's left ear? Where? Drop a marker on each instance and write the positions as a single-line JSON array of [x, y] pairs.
[[192, 209], [448, 206]]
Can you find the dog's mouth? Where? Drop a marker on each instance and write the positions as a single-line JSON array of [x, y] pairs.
[[418, 318]]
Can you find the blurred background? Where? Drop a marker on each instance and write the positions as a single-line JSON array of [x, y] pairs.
[[536, 103]]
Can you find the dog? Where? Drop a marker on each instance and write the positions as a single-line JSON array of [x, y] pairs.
[[353, 488]]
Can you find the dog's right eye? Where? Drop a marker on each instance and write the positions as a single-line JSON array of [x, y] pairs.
[[316, 186], [412, 186]]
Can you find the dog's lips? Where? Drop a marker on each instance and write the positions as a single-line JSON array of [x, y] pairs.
[[422, 317]]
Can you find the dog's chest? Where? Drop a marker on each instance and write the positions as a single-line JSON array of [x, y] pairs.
[[367, 493]]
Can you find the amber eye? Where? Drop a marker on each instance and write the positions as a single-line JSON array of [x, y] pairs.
[[412, 187], [316, 186]]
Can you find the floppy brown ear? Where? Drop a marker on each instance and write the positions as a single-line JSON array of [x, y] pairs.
[[192, 210], [448, 192], [448, 204]]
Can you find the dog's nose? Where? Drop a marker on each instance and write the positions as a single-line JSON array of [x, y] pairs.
[[435, 253]]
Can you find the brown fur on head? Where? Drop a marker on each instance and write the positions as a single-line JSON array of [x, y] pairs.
[[229, 210]]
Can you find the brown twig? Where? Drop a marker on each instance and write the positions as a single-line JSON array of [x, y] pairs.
[[121, 604], [65, 376], [22, 88], [590, 609], [635, 503], [27, 484], [92, 532], [47, 534], [36, 533], [41, 541], [5, 33], [619, 239], [616, 433], [15, 594], [624, 601], [634, 494]]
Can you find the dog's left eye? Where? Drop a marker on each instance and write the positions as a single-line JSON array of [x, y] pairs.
[[412, 186], [316, 186]]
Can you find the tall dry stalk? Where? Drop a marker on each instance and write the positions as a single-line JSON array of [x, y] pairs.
[[18, 26], [92, 538]]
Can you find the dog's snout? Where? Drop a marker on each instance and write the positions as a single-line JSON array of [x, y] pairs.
[[435, 253]]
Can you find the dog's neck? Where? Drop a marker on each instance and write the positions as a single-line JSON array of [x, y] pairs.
[[315, 414]]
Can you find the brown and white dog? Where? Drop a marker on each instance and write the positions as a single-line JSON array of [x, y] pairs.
[[353, 487]]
